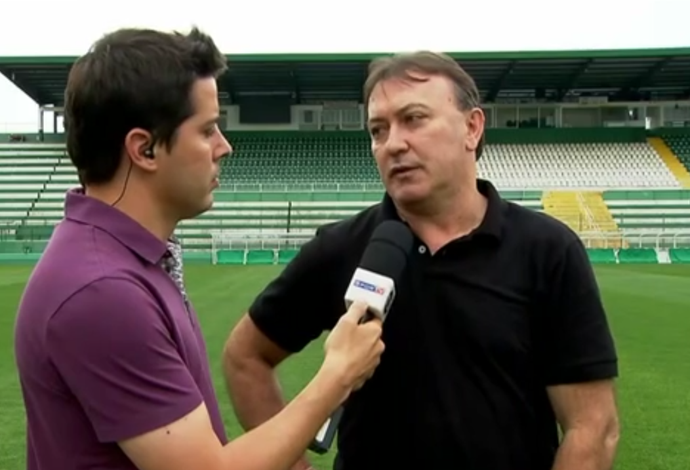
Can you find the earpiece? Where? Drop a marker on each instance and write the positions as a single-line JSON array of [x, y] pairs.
[[148, 153]]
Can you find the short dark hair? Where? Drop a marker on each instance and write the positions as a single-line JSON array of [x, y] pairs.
[[132, 78], [428, 63]]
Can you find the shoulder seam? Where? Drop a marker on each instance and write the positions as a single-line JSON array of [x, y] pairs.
[[107, 277]]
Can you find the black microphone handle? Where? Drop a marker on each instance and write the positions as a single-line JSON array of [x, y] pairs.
[[322, 444], [385, 254]]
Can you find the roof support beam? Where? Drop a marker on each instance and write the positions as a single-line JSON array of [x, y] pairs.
[[294, 76], [649, 75], [496, 88], [306, 75], [572, 79], [230, 87]]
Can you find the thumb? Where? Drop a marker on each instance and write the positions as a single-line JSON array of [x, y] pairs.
[[356, 311]]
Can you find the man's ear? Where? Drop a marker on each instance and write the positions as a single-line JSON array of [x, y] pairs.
[[139, 149], [475, 120]]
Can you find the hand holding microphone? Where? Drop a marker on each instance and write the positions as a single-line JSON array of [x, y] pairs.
[[353, 348], [368, 298]]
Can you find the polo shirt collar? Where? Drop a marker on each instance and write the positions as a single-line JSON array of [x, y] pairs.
[[492, 224], [90, 211]]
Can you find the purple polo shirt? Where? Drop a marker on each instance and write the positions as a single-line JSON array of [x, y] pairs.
[[105, 346]]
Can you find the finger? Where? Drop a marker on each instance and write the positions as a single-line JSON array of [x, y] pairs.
[[373, 327], [356, 311]]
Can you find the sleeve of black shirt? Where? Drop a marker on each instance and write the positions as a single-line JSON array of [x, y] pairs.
[[577, 343], [300, 304]]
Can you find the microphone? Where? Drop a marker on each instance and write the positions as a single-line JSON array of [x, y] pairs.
[[373, 282]]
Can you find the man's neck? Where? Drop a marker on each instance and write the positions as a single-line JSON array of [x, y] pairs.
[[439, 222], [138, 206]]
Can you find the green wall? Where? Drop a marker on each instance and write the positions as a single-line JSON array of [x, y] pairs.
[[638, 195]]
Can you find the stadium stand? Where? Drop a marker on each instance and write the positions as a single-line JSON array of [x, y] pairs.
[[26, 171], [324, 177], [620, 182], [675, 151], [657, 211], [300, 157]]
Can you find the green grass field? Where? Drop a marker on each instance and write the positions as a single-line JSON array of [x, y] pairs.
[[648, 306]]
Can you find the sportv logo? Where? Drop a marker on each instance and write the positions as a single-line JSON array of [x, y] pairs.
[[370, 287]]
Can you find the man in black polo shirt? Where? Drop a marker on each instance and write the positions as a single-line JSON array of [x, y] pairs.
[[498, 334]]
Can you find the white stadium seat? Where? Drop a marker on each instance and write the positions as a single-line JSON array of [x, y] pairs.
[[575, 166]]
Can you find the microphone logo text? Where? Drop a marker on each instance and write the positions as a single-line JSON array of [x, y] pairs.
[[369, 287]]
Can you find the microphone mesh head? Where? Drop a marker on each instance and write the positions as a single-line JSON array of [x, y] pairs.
[[389, 247]]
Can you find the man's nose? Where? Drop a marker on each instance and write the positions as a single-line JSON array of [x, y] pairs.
[[396, 142], [225, 147]]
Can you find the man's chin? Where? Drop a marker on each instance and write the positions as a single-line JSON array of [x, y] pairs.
[[208, 206], [201, 209], [408, 193]]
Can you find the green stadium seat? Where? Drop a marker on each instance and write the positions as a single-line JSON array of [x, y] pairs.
[[296, 181], [649, 211], [680, 146], [260, 257], [602, 255], [679, 255], [637, 256], [512, 160], [285, 256], [231, 257]]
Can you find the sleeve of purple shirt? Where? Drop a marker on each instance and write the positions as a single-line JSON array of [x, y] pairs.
[[111, 346]]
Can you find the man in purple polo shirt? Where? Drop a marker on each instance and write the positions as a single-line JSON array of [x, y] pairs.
[[111, 359]]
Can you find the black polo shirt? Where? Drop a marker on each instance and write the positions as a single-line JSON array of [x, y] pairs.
[[475, 335]]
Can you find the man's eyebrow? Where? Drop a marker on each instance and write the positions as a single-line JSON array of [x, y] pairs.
[[375, 120], [214, 120], [411, 107], [405, 109]]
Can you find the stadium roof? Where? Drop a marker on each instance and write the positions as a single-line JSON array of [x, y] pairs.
[[629, 74]]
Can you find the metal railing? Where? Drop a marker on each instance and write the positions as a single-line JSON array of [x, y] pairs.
[[301, 187], [658, 239], [584, 208]]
